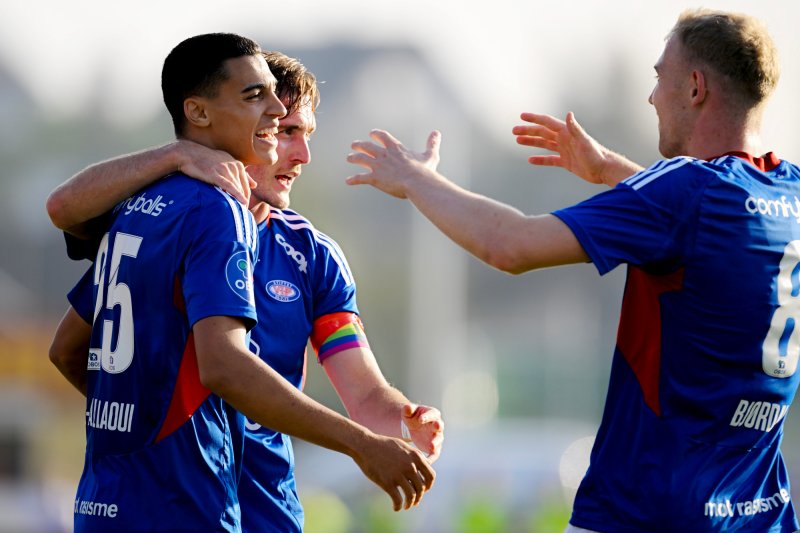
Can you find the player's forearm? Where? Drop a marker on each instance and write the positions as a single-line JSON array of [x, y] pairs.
[[492, 231], [366, 395], [380, 410], [263, 395], [99, 187], [285, 409], [70, 348], [479, 224], [74, 374]]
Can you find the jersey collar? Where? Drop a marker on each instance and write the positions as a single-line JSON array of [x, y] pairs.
[[765, 163]]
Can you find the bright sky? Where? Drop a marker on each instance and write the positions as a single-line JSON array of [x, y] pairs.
[[502, 57]]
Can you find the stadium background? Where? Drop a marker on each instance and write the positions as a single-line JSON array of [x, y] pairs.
[[518, 365]]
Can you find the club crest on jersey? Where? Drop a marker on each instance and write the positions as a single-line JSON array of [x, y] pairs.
[[283, 291], [239, 274]]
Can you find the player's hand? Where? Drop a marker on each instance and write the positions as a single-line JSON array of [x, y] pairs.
[[391, 165], [217, 168], [426, 427], [396, 467], [573, 148]]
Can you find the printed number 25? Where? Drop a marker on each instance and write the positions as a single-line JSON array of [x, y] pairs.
[[781, 347], [112, 293]]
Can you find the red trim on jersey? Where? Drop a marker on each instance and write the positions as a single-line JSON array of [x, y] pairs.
[[189, 393], [177, 296], [639, 334], [765, 163]]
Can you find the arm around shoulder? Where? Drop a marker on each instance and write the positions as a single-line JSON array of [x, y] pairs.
[[100, 186]]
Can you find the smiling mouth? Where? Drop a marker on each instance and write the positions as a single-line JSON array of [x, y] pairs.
[[266, 135]]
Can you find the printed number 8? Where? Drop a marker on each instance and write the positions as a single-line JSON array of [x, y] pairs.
[[781, 347]]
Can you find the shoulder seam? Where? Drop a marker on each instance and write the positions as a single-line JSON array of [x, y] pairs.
[[648, 175]]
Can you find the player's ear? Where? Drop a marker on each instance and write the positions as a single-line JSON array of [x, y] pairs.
[[699, 89], [194, 109]]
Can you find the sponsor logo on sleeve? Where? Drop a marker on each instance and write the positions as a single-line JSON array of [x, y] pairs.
[[239, 274]]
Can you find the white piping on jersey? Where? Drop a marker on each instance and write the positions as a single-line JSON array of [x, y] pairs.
[[245, 225], [719, 159], [252, 228], [295, 221], [642, 178]]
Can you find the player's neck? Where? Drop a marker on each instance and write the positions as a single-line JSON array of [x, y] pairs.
[[260, 210], [715, 137]]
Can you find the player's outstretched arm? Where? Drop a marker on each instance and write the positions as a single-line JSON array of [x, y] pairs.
[[70, 349], [494, 232], [99, 187], [573, 149], [370, 400], [238, 376]]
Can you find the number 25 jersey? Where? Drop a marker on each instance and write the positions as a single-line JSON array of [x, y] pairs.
[[161, 452]]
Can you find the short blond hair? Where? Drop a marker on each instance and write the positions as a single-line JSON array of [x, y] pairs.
[[734, 45]]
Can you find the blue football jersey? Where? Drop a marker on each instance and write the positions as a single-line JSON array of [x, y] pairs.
[[300, 275], [161, 449], [705, 363]]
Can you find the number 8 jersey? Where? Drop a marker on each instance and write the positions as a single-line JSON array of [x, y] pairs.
[[161, 451], [705, 364]]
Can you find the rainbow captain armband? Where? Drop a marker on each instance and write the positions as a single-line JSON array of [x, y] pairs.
[[336, 332]]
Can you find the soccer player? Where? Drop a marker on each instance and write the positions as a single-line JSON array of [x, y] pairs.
[[303, 290], [705, 364], [173, 290]]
